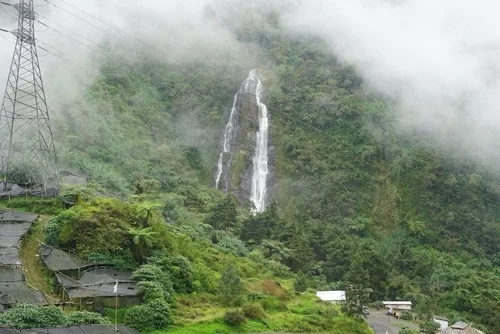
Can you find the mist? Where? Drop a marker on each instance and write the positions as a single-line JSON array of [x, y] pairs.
[[74, 43], [437, 59]]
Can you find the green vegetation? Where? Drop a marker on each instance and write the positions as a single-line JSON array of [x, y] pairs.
[[152, 315], [359, 204], [30, 316], [186, 276]]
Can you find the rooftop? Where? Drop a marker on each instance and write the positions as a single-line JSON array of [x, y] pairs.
[[398, 303], [99, 282], [59, 260], [331, 295]]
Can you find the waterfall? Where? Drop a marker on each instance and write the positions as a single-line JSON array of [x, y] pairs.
[[260, 160], [252, 86], [228, 137]]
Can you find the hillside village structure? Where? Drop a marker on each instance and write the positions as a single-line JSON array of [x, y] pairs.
[[398, 305], [334, 297]]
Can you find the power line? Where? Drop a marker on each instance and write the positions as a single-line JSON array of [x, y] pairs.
[[47, 49], [72, 31], [7, 13], [71, 38], [89, 23]]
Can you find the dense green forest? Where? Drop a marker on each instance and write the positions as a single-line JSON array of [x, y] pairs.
[[358, 202]]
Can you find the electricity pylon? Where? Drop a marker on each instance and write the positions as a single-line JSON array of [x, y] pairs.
[[27, 150]]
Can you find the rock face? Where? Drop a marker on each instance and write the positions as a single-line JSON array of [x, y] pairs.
[[245, 168]]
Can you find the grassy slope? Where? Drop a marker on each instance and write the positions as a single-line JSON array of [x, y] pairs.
[[35, 272], [304, 314], [339, 159], [201, 312]]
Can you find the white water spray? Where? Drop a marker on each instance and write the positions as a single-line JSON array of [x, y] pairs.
[[228, 137], [260, 160], [248, 86], [251, 86]]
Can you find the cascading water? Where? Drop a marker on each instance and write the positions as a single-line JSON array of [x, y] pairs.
[[228, 137], [260, 160], [252, 86]]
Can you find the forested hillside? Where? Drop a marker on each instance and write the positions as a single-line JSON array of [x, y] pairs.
[[358, 202]]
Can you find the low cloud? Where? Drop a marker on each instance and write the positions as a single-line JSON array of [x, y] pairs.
[[437, 59]]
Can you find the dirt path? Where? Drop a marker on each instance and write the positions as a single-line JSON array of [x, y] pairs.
[[32, 268]]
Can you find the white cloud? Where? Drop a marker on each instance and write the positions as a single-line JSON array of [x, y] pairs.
[[432, 56]]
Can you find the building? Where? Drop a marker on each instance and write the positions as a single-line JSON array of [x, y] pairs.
[[92, 283], [442, 322], [334, 297], [398, 305], [461, 328]]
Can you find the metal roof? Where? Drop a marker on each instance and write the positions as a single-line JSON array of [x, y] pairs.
[[331, 295], [398, 303], [59, 260]]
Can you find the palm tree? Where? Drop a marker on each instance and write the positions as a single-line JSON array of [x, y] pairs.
[[148, 210], [417, 228], [143, 239]]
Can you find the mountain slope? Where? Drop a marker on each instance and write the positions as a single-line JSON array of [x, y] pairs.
[[357, 200]]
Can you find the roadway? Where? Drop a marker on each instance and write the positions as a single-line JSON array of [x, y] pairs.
[[383, 324]]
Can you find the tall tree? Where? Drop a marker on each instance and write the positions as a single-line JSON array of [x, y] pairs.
[[143, 240], [224, 215]]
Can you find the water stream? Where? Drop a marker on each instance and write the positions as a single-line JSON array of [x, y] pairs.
[[251, 86]]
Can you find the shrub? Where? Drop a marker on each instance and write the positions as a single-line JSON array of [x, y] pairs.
[[405, 315], [205, 279], [85, 318], [301, 283], [429, 327], [267, 302], [152, 291], [233, 245], [255, 296], [96, 226], [282, 307], [123, 261], [181, 272], [234, 318], [407, 331], [55, 225], [253, 311], [149, 317], [230, 286], [152, 278], [31, 316]]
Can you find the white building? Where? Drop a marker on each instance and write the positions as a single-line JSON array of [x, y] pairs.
[[334, 297], [442, 322], [398, 305]]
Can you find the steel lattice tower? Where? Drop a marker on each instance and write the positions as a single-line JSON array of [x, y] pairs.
[[27, 148]]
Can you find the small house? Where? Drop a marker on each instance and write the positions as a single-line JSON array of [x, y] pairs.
[[334, 297], [398, 305], [442, 322]]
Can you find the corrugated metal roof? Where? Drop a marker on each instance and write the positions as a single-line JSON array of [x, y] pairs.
[[459, 325], [397, 303], [331, 295]]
